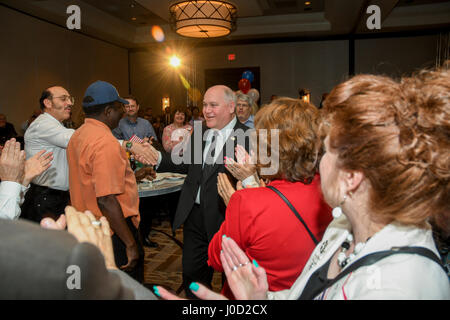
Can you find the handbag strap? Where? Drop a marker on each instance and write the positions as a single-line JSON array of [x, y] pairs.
[[371, 259], [295, 212]]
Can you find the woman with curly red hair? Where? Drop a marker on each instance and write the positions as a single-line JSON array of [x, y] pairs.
[[386, 172], [257, 218]]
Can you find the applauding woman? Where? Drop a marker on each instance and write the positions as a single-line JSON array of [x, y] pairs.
[[260, 221], [386, 173]]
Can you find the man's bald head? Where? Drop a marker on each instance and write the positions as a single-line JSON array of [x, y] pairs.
[[219, 104], [56, 101]]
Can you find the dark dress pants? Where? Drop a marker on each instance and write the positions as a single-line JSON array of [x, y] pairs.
[[195, 252], [120, 252], [41, 202]]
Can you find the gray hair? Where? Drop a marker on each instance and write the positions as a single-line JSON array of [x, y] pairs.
[[229, 95], [245, 98]]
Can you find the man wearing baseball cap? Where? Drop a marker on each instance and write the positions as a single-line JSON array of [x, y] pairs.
[[100, 176]]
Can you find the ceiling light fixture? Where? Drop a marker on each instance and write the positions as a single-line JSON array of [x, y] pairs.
[[203, 19], [175, 61]]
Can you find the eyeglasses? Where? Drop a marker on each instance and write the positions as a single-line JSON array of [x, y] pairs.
[[65, 98], [243, 105]]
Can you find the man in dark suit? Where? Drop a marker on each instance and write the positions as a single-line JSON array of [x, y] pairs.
[[200, 207]]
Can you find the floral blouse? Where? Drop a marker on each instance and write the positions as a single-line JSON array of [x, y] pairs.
[[173, 135]]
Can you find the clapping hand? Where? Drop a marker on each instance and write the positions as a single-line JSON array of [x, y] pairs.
[[36, 165], [244, 167], [247, 280], [85, 228], [12, 162], [224, 187]]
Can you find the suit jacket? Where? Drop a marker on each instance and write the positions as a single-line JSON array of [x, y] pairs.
[[39, 264], [210, 201]]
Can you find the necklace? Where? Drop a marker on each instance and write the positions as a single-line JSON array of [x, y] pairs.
[[342, 258]]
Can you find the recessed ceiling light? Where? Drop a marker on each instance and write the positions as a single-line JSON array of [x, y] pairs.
[[307, 3]]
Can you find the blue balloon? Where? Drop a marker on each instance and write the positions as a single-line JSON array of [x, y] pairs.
[[248, 75]]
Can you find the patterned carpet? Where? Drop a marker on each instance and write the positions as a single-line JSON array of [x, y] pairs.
[[162, 265]]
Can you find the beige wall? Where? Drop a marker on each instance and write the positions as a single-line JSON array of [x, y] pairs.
[[35, 54], [395, 56], [284, 67]]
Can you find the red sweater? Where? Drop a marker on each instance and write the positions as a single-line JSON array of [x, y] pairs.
[[268, 231]]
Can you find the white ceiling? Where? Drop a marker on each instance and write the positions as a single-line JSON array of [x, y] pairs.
[[111, 20]]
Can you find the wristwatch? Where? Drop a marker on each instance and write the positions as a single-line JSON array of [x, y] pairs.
[[129, 145]]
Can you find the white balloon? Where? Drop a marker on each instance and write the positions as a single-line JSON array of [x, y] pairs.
[[254, 94]]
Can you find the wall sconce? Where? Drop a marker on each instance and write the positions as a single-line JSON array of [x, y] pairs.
[[304, 95], [165, 103]]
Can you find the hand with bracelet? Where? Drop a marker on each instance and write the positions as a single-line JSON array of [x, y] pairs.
[[143, 152], [246, 278]]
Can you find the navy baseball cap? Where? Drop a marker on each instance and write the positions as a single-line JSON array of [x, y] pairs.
[[101, 92]]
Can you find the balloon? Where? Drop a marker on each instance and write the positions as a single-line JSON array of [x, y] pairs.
[[248, 75], [254, 94], [244, 85]]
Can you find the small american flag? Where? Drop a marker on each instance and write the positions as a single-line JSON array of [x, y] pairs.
[[135, 138]]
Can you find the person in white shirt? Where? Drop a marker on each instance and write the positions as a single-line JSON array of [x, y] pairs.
[[48, 194], [15, 176]]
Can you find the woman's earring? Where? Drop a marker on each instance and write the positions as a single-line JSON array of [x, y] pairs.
[[337, 212]]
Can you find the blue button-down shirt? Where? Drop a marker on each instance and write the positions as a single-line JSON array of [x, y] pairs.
[[141, 128], [250, 122]]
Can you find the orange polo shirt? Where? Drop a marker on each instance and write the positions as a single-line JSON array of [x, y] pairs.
[[98, 166]]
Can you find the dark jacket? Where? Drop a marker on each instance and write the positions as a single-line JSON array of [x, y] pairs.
[[210, 200]]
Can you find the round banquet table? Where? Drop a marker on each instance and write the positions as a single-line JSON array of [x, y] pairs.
[[158, 188]]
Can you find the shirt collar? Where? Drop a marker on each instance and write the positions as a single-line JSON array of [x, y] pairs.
[[225, 131], [130, 122], [48, 115], [249, 120], [97, 123]]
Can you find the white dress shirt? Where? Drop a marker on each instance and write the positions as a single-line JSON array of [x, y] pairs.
[[221, 138], [11, 197], [47, 133]]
